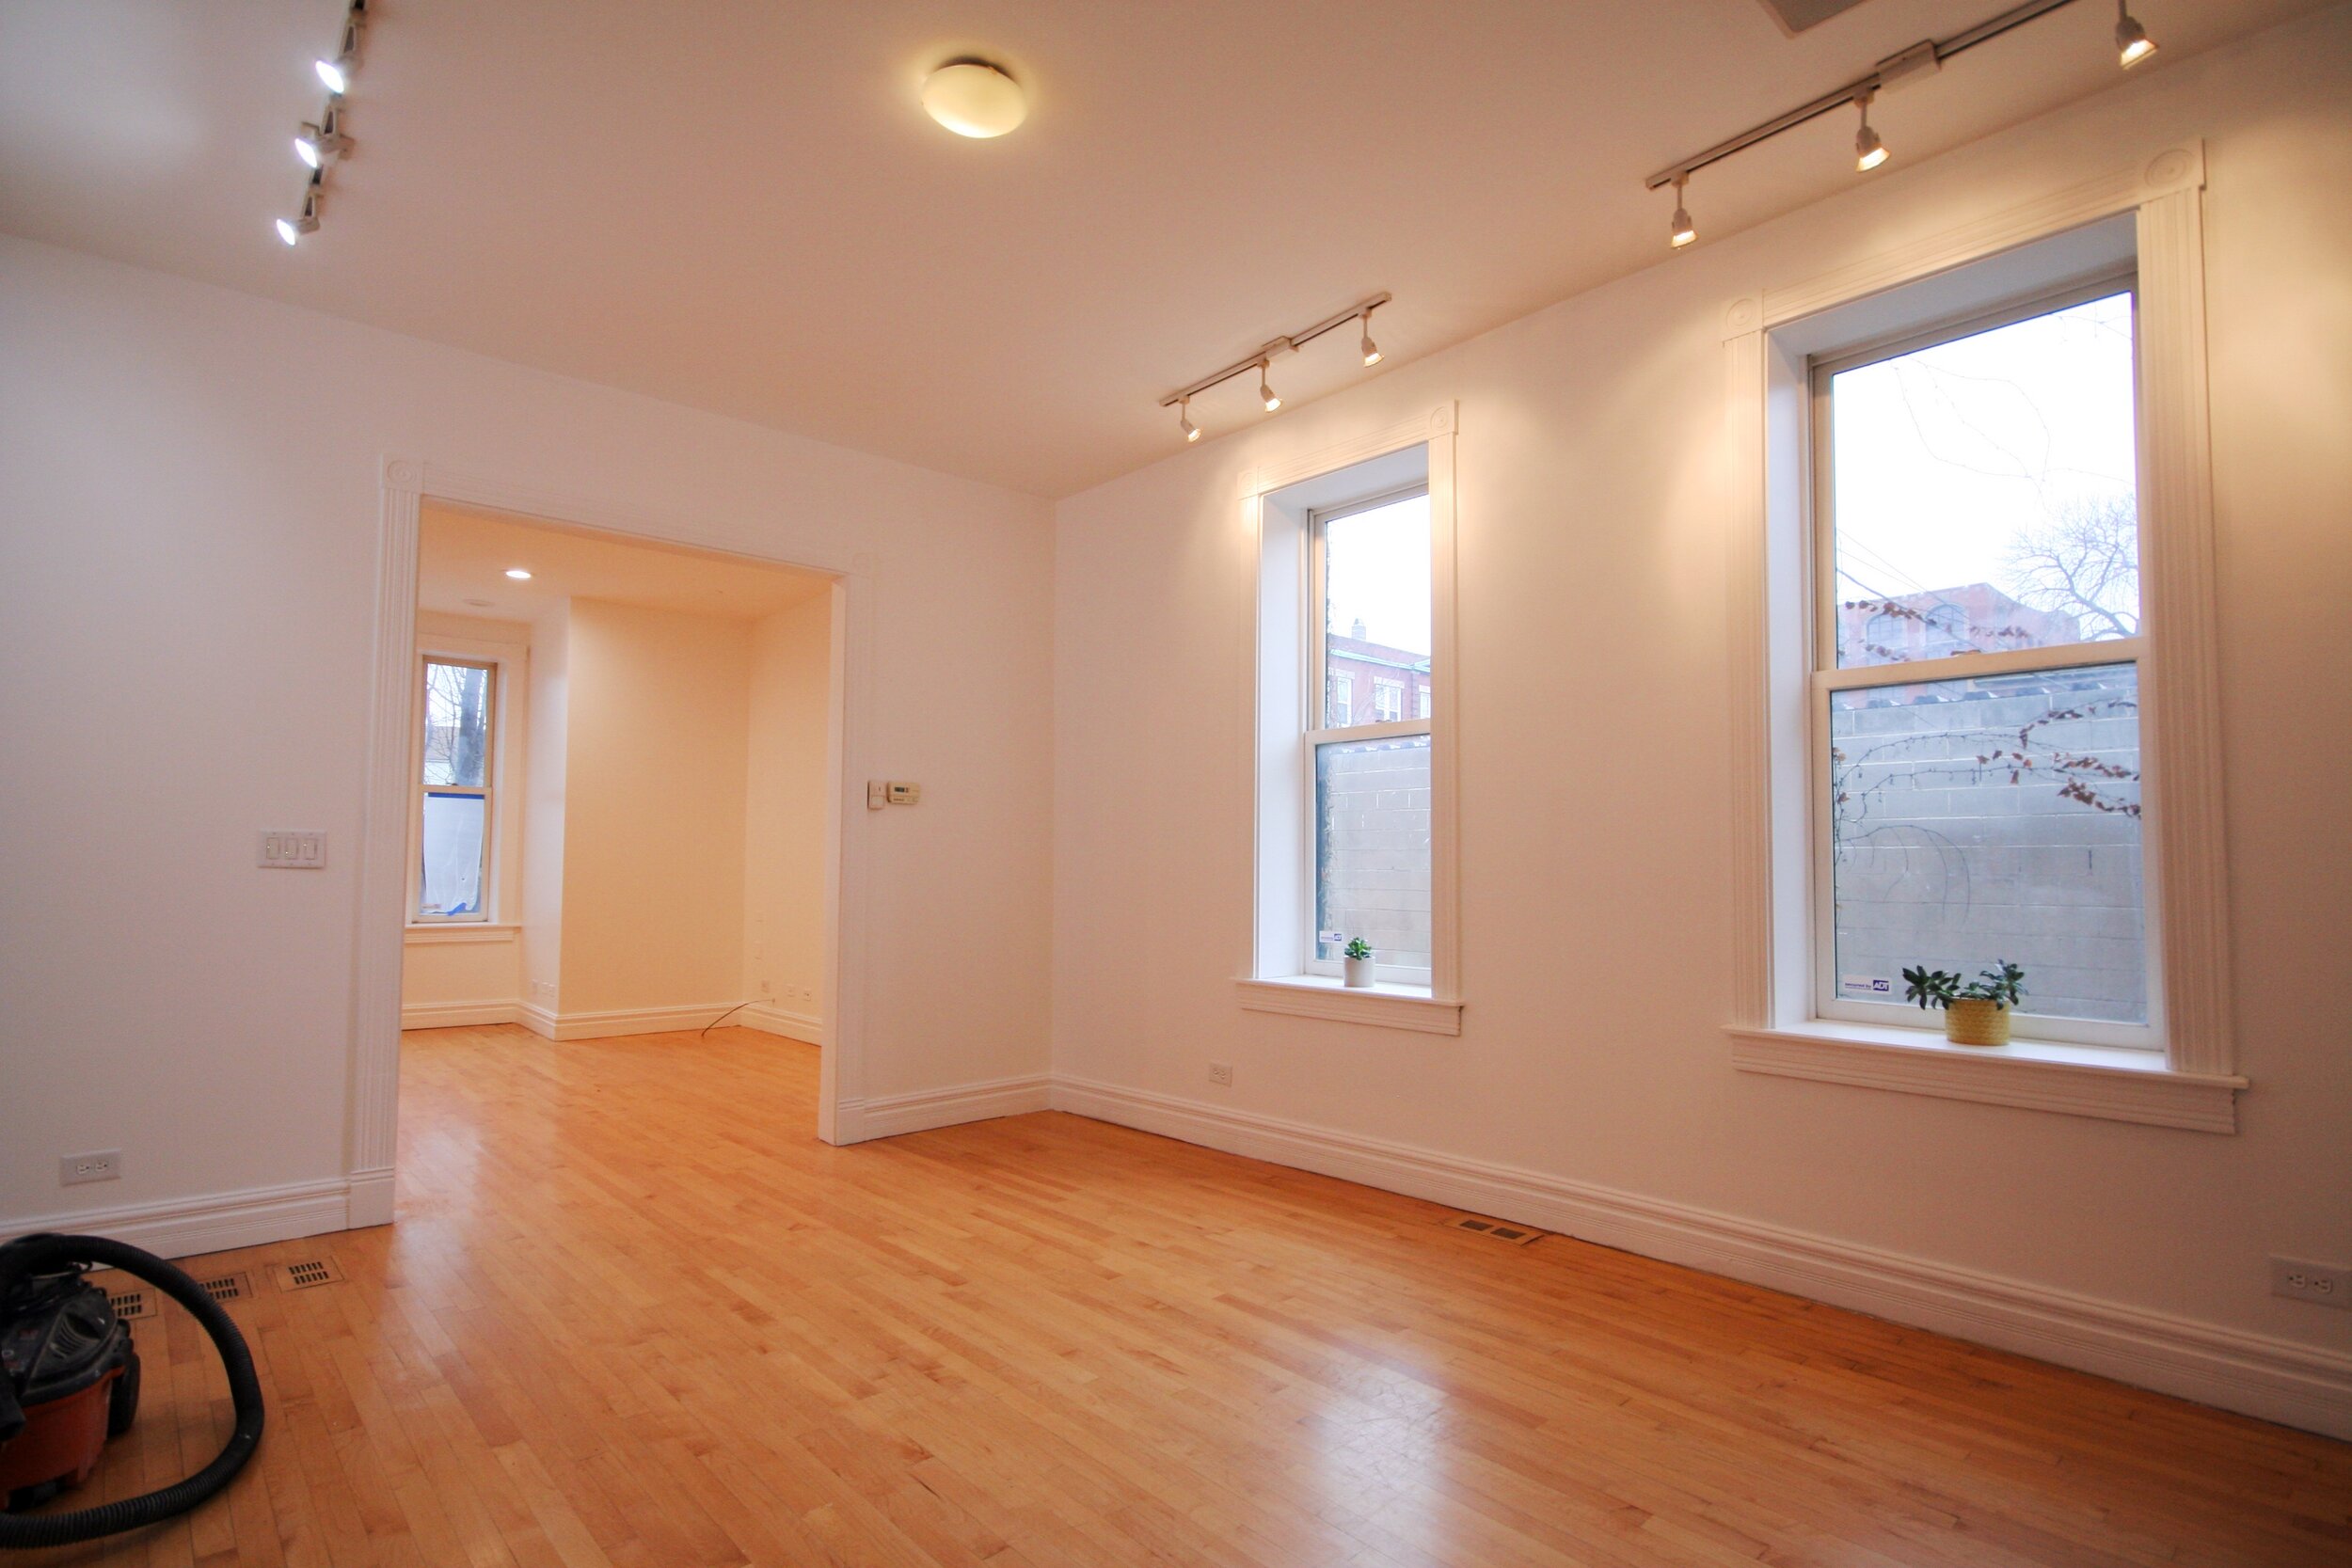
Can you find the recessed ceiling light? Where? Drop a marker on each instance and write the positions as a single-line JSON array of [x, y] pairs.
[[973, 98], [519, 573]]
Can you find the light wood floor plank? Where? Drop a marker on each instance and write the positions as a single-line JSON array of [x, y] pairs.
[[635, 1315]]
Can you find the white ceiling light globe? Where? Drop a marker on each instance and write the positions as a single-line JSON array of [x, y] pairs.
[[974, 100]]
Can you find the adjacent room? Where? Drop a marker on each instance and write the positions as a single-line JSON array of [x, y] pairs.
[[1052, 783]]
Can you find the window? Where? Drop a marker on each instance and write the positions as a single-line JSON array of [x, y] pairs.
[[1370, 778], [1342, 699], [1354, 803], [1975, 693], [455, 808]]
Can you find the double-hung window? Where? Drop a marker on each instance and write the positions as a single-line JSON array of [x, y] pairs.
[[1369, 797], [1973, 703], [1352, 753], [455, 812]]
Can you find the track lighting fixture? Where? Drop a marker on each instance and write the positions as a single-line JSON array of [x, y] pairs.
[[319, 142], [1924, 58], [1868, 151], [307, 221], [2132, 42], [1358, 315]]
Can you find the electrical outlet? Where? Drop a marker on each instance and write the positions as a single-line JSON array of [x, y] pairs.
[[2328, 1284], [104, 1166], [290, 849], [1221, 1073]]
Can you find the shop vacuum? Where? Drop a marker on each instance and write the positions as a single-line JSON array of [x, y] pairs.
[[70, 1380]]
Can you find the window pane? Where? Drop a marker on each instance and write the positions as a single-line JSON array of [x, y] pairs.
[[451, 879], [1976, 821], [1375, 610], [1372, 847], [1984, 491], [456, 724]]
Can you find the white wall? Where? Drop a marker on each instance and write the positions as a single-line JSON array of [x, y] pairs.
[[548, 744], [653, 809], [785, 798], [189, 508], [1594, 757]]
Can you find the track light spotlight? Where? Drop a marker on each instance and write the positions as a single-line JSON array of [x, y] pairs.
[[1370, 350], [316, 144], [2131, 41], [1184, 420], [1681, 230], [1868, 151], [306, 222], [1265, 392], [336, 73]]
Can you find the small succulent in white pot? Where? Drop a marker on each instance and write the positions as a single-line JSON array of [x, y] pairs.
[[1357, 960]]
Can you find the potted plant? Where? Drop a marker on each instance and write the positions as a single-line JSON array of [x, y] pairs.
[[1974, 1012], [1357, 960]]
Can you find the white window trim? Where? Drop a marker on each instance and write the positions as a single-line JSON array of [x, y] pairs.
[[1772, 1030], [1283, 678]]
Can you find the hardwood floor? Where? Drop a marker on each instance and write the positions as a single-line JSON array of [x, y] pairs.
[[634, 1313]]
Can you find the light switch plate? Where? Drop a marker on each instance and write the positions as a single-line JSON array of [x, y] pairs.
[[292, 849], [876, 794]]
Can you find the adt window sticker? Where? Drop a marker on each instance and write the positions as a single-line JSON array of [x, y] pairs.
[[1866, 988]]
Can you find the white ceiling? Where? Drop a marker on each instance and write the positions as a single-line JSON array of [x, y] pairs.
[[739, 205], [462, 558]]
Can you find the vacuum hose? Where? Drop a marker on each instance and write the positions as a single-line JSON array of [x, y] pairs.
[[48, 1254]]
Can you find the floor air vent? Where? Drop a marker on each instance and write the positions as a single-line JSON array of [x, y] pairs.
[[130, 1304], [301, 1276], [1518, 1235], [227, 1287]]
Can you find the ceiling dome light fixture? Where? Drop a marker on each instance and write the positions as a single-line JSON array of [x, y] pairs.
[[1680, 231], [1868, 151], [973, 98], [1370, 350], [520, 574], [2131, 41]]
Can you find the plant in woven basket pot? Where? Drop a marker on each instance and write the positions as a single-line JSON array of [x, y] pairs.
[[1976, 1012], [1357, 960]]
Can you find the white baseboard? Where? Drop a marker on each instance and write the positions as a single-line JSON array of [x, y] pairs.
[[2278, 1380], [619, 1020], [891, 1114], [458, 1015], [776, 1021], [215, 1223]]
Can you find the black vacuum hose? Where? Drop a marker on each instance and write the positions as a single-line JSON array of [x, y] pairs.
[[48, 1254]]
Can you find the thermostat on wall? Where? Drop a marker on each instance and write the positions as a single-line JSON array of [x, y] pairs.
[[905, 794]]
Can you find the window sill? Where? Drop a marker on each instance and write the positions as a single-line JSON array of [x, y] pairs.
[[2071, 1080], [459, 930], [1383, 1006]]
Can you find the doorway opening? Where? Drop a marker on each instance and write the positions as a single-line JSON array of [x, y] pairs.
[[622, 813]]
